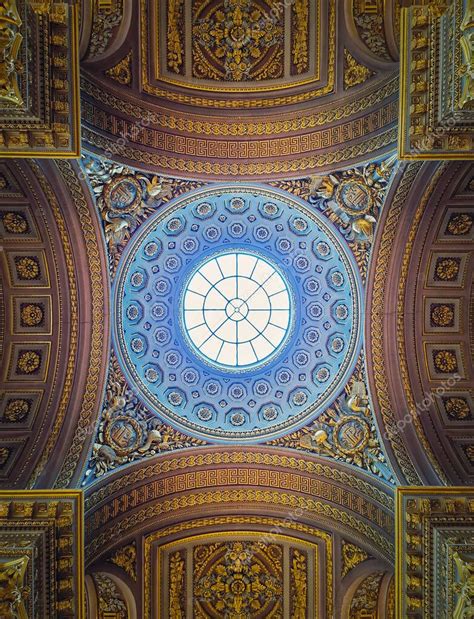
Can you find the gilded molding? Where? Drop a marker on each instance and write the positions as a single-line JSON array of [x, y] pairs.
[[224, 168], [289, 534], [168, 120], [211, 96], [436, 78], [68, 379], [42, 554], [42, 115], [401, 327], [316, 509], [271, 524], [382, 391], [435, 552], [89, 405], [96, 496]]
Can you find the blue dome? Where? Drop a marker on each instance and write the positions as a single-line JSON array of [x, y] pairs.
[[237, 313]]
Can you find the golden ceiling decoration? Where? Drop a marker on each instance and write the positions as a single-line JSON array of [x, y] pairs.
[[41, 554], [437, 81], [195, 63], [435, 557], [39, 79]]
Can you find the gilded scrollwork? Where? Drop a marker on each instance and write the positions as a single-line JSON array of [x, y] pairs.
[[128, 431], [177, 572], [356, 196], [174, 41], [238, 579], [122, 71], [354, 72], [13, 590], [346, 431], [299, 584], [352, 556], [237, 40], [126, 558], [300, 52]]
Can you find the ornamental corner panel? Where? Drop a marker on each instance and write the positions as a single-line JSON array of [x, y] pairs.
[[436, 81], [41, 554], [39, 79], [435, 552]]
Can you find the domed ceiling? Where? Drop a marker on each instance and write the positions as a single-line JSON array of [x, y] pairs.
[[237, 312], [246, 89]]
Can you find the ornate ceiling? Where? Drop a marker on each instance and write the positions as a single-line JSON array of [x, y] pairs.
[[426, 396], [245, 90], [52, 343], [238, 326]]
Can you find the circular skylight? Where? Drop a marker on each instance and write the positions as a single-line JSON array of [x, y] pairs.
[[237, 309]]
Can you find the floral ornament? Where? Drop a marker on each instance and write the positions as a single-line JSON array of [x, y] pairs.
[[15, 223], [354, 72], [27, 267], [469, 450], [235, 39], [442, 315], [371, 30], [31, 315], [354, 196], [104, 25], [16, 410], [445, 361], [240, 583], [110, 600], [457, 408], [29, 362], [460, 224], [126, 558], [447, 269]]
